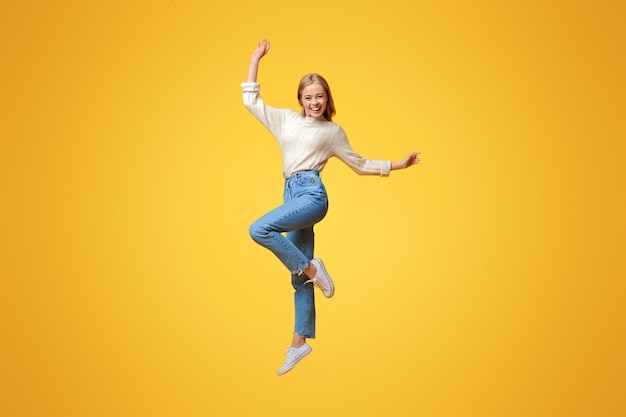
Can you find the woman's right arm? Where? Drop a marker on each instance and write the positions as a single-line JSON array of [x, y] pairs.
[[270, 117], [261, 50]]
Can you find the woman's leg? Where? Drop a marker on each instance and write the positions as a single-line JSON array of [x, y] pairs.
[[300, 211], [305, 204], [304, 296]]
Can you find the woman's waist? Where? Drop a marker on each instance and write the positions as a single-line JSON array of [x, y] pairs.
[[307, 180], [303, 173]]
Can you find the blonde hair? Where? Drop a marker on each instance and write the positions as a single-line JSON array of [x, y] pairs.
[[312, 78]]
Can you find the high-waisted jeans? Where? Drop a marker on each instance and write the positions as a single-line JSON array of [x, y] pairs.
[[305, 203]]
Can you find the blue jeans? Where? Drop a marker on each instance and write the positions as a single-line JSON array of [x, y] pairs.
[[305, 203]]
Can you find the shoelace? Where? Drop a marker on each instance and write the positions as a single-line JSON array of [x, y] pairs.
[[291, 354], [318, 283]]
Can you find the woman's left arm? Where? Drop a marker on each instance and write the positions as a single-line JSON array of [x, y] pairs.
[[409, 160], [260, 51]]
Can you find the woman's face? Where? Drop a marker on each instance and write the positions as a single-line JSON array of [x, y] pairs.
[[314, 100]]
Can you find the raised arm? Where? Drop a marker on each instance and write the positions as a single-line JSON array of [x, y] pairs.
[[261, 50], [409, 160]]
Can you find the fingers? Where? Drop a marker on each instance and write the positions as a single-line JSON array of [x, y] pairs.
[[263, 47]]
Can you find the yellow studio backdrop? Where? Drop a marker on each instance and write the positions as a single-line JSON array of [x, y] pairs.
[[487, 281]]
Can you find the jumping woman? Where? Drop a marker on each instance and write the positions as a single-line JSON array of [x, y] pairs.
[[307, 139]]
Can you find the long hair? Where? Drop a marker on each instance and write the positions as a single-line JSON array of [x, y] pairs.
[[316, 78]]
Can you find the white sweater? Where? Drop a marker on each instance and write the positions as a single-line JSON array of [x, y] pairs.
[[306, 142]]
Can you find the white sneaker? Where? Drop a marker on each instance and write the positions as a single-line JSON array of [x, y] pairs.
[[322, 279], [294, 355]]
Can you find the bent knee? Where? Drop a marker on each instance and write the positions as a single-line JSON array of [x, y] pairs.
[[257, 232]]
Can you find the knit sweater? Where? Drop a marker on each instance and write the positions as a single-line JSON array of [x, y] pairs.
[[306, 142]]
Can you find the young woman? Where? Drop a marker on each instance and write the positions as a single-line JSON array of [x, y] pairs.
[[307, 140]]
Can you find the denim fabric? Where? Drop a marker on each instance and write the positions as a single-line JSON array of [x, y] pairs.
[[305, 203]]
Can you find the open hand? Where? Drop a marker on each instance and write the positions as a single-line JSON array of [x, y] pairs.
[[261, 50]]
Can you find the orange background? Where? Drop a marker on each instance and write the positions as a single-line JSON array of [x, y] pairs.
[[487, 281]]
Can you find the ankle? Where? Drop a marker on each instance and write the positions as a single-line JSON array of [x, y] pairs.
[[297, 341], [310, 271]]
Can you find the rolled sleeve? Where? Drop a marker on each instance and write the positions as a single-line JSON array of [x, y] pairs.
[[250, 87], [385, 168]]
